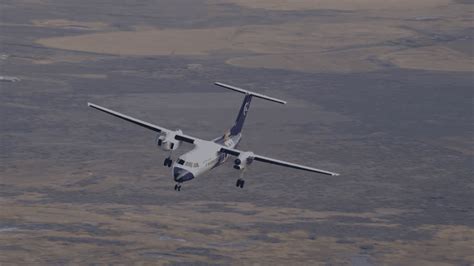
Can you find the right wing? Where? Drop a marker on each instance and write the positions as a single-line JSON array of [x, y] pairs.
[[264, 159], [180, 137]]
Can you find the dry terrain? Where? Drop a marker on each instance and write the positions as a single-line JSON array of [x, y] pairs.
[[380, 91], [354, 42]]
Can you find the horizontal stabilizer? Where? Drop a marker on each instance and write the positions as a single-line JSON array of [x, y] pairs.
[[254, 94]]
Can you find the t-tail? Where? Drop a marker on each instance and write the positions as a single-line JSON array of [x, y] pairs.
[[244, 109]]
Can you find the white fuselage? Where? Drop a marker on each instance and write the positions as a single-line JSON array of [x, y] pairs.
[[203, 157]]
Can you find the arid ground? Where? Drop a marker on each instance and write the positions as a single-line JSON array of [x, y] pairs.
[[379, 91]]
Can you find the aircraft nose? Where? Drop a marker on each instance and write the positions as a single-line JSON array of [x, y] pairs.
[[181, 175]]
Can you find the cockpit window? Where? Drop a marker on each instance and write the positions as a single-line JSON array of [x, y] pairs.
[[181, 161], [196, 165], [189, 164]]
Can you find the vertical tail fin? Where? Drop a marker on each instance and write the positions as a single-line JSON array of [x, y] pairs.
[[239, 121]]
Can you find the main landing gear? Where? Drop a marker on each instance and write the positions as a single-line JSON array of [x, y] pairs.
[[177, 187], [240, 183], [168, 162]]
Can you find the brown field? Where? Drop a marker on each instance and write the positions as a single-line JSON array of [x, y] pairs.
[[308, 45], [68, 24], [303, 37], [431, 58], [392, 5], [135, 235]]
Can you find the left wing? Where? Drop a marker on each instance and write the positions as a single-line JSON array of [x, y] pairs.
[[264, 159], [180, 137]]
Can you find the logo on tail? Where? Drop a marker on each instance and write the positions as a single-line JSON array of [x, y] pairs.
[[239, 122], [246, 108]]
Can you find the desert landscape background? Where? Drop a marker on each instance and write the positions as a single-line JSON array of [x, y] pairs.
[[379, 91]]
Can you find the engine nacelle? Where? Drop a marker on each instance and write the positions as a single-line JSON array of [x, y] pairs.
[[167, 142], [244, 159]]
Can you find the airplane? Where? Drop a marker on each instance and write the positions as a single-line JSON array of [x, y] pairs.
[[209, 154]]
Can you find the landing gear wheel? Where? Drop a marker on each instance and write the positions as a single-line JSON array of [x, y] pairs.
[[240, 183], [177, 187], [168, 162]]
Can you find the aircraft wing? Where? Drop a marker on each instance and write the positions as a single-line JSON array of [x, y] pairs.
[[180, 137], [264, 159]]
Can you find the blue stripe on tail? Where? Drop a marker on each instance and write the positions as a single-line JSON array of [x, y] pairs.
[[239, 122]]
